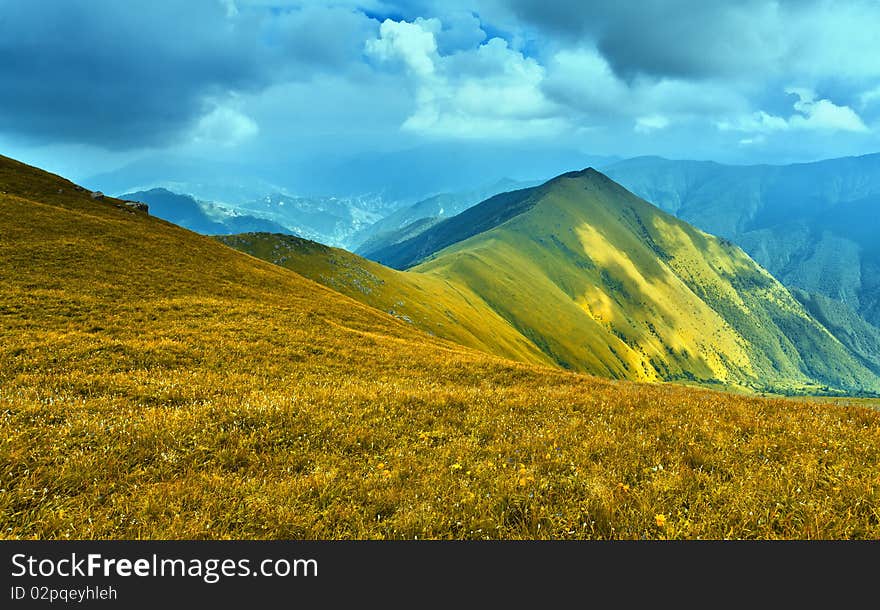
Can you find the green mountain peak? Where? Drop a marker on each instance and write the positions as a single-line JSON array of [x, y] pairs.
[[596, 279]]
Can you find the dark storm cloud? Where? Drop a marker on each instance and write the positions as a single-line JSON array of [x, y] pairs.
[[269, 78], [679, 38], [124, 74]]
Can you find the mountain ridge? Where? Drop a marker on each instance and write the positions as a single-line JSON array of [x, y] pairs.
[[599, 280]]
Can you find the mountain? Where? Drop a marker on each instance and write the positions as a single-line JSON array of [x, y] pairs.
[[411, 220], [156, 384], [386, 239], [812, 225], [601, 281], [185, 211], [332, 220]]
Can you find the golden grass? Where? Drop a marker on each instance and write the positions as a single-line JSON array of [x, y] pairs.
[[156, 384]]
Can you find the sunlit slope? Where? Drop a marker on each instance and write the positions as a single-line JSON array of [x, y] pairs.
[[157, 384], [430, 303], [589, 272], [447, 308]]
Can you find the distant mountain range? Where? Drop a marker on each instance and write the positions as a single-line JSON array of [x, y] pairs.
[[185, 211], [327, 219], [340, 201], [582, 273]]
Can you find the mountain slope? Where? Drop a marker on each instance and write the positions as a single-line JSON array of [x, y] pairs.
[[860, 338], [678, 301], [812, 225], [434, 305], [490, 213], [157, 384], [601, 281]]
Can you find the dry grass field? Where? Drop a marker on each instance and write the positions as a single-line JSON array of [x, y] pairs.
[[157, 384]]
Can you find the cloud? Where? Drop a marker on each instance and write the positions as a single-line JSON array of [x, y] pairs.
[[302, 41], [811, 114], [412, 43], [99, 72], [584, 82], [822, 114], [231, 8], [647, 124], [753, 140], [286, 76], [461, 30], [672, 38], [225, 126], [870, 97], [491, 91], [698, 39]]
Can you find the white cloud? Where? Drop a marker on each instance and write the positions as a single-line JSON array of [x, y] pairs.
[[753, 140], [810, 115], [647, 124], [412, 43], [225, 126], [822, 114], [491, 91]]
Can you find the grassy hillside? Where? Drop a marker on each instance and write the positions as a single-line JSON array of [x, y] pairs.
[[473, 221], [157, 384], [434, 305], [678, 301], [860, 337], [814, 226]]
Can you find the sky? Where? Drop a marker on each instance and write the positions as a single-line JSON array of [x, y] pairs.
[[90, 85]]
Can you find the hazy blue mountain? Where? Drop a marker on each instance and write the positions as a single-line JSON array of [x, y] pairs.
[[488, 214], [329, 220], [812, 225], [264, 192], [386, 239], [255, 206], [185, 211]]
